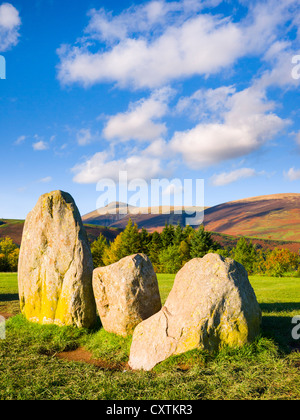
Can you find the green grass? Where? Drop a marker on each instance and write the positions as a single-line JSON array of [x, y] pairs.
[[9, 298], [265, 369]]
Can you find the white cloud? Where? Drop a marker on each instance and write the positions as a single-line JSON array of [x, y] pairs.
[[154, 43], [226, 178], [20, 140], [84, 137], [45, 180], [100, 166], [138, 123], [202, 45], [293, 174], [158, 148], [206, 103], [40, 145], [247, 125], [9, 26], [143, 18]]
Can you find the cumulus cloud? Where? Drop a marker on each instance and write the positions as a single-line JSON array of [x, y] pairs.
[[293, 174], [200, 46], [226, 178], [40, 145], [84, 137], [151, 16], [139, 122], [247, 125], [154, 43], [206, 103], [101, 166], [10, 23]]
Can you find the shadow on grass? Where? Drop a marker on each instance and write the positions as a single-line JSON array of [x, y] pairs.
[[279, 327], [280, 307], [9, 297]]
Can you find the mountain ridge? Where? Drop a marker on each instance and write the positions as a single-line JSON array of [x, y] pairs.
[[274, 216], [269, 217]]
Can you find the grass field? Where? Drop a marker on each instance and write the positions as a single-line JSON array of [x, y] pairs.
[[266, 369]]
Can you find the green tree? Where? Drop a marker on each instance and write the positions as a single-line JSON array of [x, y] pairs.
[[202, 243], [170, 259], [245, 253], [145, 240], [113, 253], [3, 264], [178, 235], [97, 249], [154, 249], [184, 251], [131, 241], [167, 235]]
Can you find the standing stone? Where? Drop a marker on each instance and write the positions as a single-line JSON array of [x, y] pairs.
[[126, 293], [55, 264], [211, 305]]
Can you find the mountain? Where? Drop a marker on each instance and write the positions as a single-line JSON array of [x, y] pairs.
[[274, 217], [150, 218]]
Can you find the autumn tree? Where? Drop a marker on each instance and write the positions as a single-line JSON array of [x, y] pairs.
[[279, 261], [9, 255]]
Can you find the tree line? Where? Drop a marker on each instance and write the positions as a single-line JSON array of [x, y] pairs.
[[171, 249], [175, 245]]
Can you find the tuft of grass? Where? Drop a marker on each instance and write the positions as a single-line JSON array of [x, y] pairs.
[[108, 347]]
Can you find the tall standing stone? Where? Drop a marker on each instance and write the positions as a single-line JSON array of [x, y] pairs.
[[126, 293], [212, 304], [55, 264]]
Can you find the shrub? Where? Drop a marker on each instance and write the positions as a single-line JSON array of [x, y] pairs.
[[9, 255]]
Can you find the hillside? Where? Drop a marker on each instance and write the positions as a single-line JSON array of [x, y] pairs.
[[14, 229], [275, 217], [149, 218]]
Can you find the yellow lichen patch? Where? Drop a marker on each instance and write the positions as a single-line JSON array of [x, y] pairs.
[[190, 340], [233, 333]]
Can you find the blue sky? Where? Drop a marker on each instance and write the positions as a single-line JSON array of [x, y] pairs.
[[184, 89]]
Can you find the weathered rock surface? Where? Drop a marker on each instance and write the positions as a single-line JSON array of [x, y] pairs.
[[126, 293], [211, 304], [55, 264]]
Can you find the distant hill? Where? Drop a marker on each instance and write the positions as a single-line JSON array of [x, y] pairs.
[[275, 217], [14, 229], [150, 218]]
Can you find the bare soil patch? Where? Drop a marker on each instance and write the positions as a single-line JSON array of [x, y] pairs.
[[84, 356], [6, 315]]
